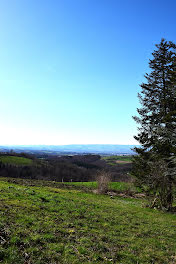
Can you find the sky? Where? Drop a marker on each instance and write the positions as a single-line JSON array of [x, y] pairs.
[[70, 70]]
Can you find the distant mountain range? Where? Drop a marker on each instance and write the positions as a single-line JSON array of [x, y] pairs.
[[72, 149]]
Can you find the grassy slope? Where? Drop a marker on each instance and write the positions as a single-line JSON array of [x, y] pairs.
[[15, 160], [45, 224], [113, 186]]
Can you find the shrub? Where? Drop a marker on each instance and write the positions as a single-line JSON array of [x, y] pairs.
[[103, 180]]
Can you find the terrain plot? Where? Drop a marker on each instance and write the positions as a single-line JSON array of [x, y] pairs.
[[43, 222], [14, 160], [118, 159]]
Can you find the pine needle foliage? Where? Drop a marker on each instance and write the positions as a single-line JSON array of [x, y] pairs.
[[157, 125]]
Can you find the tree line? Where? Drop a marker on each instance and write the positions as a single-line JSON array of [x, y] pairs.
[[63, 169]]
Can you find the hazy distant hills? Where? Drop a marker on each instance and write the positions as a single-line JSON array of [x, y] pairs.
[[65, 149]]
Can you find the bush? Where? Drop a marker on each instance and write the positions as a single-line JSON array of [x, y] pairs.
[[103, 180]]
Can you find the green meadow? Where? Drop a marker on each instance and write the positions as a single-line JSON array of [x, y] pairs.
[[48, 222], [116, 159], [14, 160], [113, 186]]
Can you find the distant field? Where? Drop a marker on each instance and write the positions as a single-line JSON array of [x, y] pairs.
[[15, 160], [112, 160], [42, 224]]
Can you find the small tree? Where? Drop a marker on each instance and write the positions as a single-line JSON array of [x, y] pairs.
[[157, 120]]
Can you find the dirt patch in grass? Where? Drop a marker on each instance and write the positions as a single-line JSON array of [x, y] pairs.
[[122, 161]]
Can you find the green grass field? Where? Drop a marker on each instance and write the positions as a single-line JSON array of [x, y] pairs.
[[113, 186], [16, 160], [113, 160], [41, 223], [116, 157]]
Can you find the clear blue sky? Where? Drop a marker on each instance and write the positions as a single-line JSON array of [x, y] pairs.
[[70, 70]]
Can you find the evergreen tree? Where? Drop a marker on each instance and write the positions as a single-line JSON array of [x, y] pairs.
[[157, 120]]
